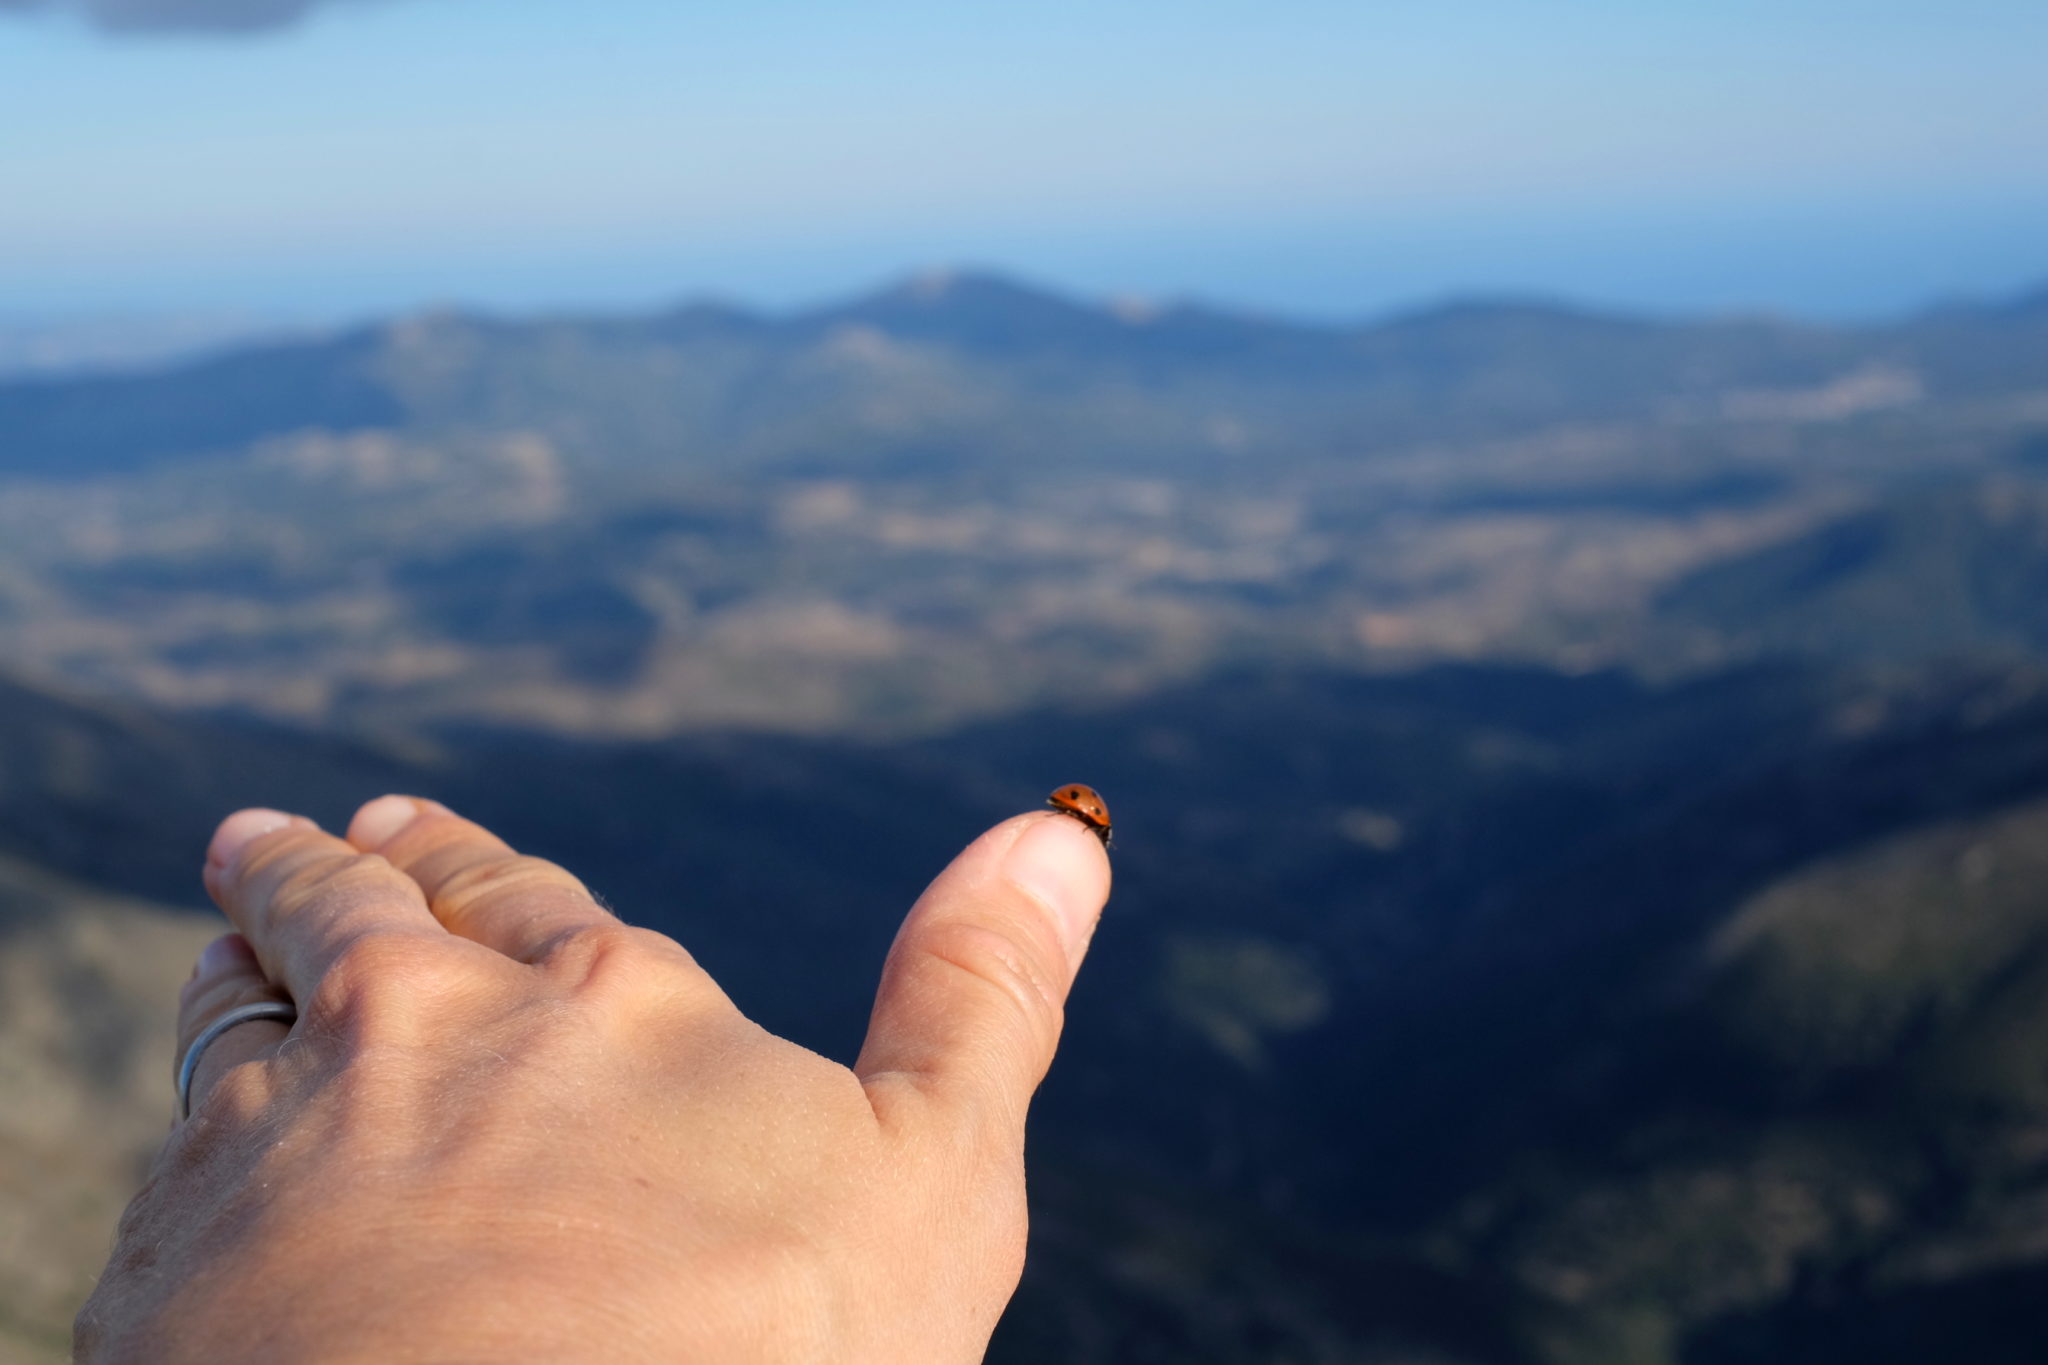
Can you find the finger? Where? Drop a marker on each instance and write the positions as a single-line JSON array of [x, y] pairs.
[[476, 884], [975, 986], [302, 897], [226, 977]]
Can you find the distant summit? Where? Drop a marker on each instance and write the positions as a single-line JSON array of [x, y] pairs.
[[977, 310], [1507, 308], [927, 367]]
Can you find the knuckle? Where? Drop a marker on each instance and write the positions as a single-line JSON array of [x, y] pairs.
[[612, 963], [235, 1097], [1014, 974], [385, 983], [348, 877], [597, 951]]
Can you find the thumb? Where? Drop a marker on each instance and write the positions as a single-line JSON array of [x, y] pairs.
[[975, 986]]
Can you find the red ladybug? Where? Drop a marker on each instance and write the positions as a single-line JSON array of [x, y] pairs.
[[1084, 805]]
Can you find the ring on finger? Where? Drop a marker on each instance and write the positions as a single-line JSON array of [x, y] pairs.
[[279, 1010]]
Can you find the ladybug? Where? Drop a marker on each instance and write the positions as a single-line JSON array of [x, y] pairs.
[[1084, 805]]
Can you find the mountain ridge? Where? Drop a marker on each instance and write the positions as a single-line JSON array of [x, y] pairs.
[[936, 290], [931, 366]]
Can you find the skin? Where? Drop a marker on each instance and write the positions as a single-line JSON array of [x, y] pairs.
[[507, 1127]]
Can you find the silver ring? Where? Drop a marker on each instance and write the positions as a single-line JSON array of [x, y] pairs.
[[240, 1014]]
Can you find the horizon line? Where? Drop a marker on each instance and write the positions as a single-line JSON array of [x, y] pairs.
[[240, 328]]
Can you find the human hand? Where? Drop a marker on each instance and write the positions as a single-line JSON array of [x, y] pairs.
[[508, 1127]]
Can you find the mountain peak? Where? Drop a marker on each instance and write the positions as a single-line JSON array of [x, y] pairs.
[[946, 288], [977, 309], [1500, 308], [936, 284]]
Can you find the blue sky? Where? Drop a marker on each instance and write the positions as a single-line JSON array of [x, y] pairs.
[[1332, 159]]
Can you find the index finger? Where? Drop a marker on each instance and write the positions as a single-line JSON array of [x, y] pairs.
[[476, 885], [301, 897]]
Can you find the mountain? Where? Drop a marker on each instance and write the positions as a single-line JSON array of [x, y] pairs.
[[987, 314], [1947, 570], [78, 427], [902, 370], [114, 343], [962, 498]]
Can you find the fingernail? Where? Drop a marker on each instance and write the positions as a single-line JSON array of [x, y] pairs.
[[238, 829], [1058, 861], [223, 955], [376, 822]]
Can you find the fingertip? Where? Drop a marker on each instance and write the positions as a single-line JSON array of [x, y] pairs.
[[243, 828], [972, 997], [221, 959], [379, 821], [1062, 865], [224, 953]]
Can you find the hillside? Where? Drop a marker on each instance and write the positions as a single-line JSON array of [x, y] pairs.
[[88, 994], [880, 378], [1947, 570], [1513, 908], [961, 499], [935, 365]]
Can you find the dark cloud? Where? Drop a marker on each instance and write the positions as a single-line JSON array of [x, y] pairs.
[[165, 16]]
